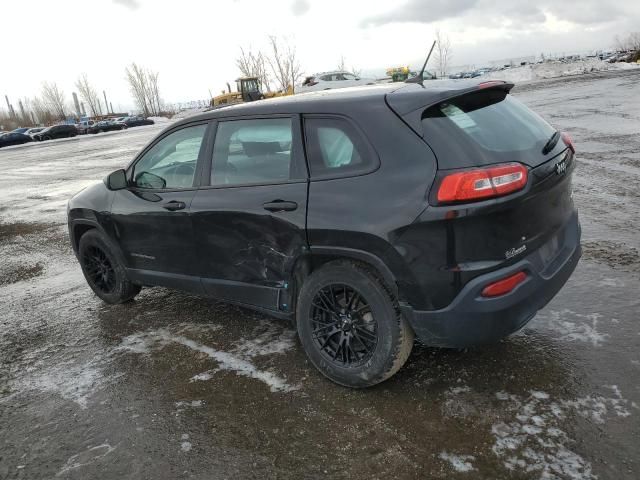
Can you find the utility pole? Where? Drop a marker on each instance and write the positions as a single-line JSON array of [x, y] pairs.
[[111, 105], [12, 113], [24, 116], [76, 104], [106, 104]]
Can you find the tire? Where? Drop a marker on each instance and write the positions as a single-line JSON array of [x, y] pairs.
[[102, 269], [356, 341], [47, 137]]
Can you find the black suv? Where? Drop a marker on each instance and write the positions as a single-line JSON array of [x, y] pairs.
[[57, 131], [366, 215]]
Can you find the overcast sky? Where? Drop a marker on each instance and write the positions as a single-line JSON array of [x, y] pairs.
[[193, 44]]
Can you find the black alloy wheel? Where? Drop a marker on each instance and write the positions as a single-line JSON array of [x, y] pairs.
[[343, 325], [99, 270], [350, 325], [104, 272]]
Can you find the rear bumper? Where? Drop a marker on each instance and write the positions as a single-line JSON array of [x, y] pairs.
[[472, 319]]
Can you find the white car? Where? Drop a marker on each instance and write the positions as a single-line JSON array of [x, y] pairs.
[[330, 80]]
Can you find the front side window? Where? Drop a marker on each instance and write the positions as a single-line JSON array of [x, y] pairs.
[[252, 151], [171, 163], [335, 147]]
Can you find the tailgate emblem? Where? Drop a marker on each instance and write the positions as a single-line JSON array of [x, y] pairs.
[[561, 166], [512, 252]]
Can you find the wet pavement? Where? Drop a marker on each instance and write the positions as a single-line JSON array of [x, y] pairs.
[[175, 386]]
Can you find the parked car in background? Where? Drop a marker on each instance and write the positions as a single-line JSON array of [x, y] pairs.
[[138, 121], [83, 126], [20, 130], [56, 131], [33, 131], [456, 220], [106, 126], [331, 80], [14, 138]]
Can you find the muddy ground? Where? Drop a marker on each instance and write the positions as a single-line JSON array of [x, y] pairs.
[[174, 386]]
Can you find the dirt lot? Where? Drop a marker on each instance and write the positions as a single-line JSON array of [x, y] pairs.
[[174, 386]]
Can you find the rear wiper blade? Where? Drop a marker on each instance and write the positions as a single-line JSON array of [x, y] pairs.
[[551, 143]]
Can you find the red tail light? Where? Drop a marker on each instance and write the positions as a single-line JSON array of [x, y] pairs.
[[504, 286], [566, 138], [482, 183]]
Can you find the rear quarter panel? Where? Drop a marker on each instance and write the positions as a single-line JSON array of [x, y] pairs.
[[369, 212]]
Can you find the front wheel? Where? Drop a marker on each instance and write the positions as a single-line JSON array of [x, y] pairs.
[[350, 325], [102, 270]]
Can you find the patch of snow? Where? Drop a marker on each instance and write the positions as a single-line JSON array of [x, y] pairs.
[[458, 390], [268, 338], [528, 73], [534, 442], [204, 376], [460, 463], [185, 446], [85, 458], [573, 326], [226, 360], [193, 403]]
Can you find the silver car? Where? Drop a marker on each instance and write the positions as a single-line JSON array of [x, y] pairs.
[[331, 80]]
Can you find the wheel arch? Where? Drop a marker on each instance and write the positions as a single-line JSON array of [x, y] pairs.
[[319, 256]]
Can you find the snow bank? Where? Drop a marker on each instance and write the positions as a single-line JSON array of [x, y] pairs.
[[528, 73], [159, 119]]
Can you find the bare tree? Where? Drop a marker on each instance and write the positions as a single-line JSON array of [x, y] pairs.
[[443, 53], [143, 85], [137, 85], [154, 92], [53, 97], [284, 63], [40, 110], [88, 94], [253, 64]]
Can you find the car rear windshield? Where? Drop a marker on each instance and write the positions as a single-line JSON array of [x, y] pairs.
[[485, 127]]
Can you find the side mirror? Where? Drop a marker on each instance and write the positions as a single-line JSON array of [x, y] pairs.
[[116, 180]]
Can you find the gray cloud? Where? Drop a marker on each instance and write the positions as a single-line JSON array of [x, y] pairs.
[[300, 7], [423, 11], [586, 12], [130, 4]]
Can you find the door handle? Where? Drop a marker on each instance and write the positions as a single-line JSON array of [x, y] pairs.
[[174, 205], [280, 206]]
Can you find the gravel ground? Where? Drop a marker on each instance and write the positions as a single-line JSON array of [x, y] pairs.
[[174, 386]]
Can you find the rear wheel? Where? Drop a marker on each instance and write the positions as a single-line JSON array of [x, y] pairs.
[[102, 270], [350, 326], [46, 137]]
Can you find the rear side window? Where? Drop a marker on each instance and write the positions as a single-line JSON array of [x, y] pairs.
[[489, 125], [336, 148], [252, 151]]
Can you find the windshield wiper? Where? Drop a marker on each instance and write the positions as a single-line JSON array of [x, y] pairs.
[[551, 143]]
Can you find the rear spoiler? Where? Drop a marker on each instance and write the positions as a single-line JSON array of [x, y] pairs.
[[410, 101]]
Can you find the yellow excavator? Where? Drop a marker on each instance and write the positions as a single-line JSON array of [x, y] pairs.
[[248, 90]]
